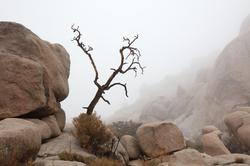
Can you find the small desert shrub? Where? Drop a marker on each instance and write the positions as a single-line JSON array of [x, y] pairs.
[[91, 161], [105, 162], [69, 156], [121, 128], [153, 162], [239, 160], [91, 132]]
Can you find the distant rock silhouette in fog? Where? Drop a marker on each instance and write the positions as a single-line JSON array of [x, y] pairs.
[[212, 93]]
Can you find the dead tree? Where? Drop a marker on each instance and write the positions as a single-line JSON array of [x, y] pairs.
[[130, 61]]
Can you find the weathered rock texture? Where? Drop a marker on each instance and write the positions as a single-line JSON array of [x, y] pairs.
[[42, 128], [159, 138], [19, 142], [34, 73], [212, 145], [53, 125], [131, 145], [121, 153], [66, 142], [191, 157], [57, 163], [210, 129], [211, 141], [187, 157], [238, 124], [61, 119], [229, 160]]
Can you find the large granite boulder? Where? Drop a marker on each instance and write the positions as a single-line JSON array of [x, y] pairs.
[[57, 163], [238, 124], [34, 73], [66, 142], [187, 157], [49, 126], [42, 128], [211, 141], [121, 154], [191, 157], [131, 145], [212, 145], [61, 119], [234, 120], [159, 138], [19, 142], [53, 125]]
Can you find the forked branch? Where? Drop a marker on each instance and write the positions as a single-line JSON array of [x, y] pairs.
[[86, 50], [130, 60]]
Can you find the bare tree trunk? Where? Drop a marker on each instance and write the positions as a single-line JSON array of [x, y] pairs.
[[134, 64], [94, 101]]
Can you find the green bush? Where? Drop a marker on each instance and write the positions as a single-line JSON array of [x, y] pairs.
[[91, 132], [121, 128]]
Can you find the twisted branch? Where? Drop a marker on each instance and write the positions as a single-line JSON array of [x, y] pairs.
[[123, 85], [86, 50], [132, 61], [105, 99]]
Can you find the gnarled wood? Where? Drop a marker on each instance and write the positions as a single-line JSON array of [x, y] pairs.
[[130, 62]]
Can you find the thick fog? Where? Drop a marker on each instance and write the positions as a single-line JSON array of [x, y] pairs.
[[172, 34]]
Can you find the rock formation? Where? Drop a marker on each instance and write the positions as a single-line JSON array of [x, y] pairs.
[[191, 157], [211, 142], [159, 138], [216, 90], [66, 142], [34, 73], [34, 80], [19, 141], [131, 145], [238, 124]]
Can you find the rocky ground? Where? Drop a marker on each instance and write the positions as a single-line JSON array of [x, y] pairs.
[[34, 80]]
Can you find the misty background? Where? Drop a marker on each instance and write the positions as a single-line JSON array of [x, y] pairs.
[[172, 35]]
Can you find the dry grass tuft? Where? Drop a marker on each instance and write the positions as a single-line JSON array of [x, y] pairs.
[[91, 132], [90, 161], [239, 160], [105, 162], [68, 156]]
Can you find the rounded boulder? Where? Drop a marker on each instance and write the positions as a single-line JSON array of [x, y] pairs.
[[160, 138]]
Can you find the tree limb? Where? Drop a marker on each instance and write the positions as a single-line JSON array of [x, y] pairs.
[[105, 99], [130, 62], [123, 85], [86, 50]]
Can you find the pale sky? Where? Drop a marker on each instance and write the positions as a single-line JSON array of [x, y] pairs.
[[172, 34]]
